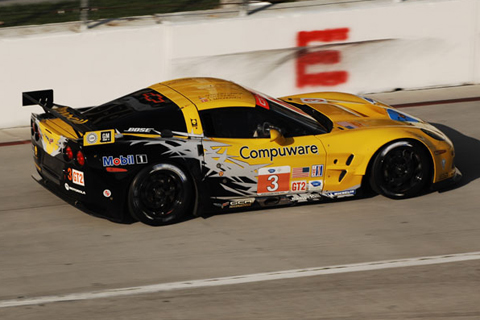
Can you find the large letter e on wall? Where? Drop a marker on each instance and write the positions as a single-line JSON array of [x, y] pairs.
[[308, 58]]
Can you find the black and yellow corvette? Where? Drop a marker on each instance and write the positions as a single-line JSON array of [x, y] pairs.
[[198, 144]]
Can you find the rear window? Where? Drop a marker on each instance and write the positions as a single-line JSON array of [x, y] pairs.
[[142, 109]]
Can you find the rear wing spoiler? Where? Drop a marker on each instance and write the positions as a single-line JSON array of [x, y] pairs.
[[44, 98]]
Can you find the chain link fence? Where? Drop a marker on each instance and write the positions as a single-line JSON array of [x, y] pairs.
[[34, 12]]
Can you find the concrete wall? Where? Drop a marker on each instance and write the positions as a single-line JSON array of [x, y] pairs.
[[362, 47]]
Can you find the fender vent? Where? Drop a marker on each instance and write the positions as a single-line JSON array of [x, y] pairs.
[[350, 159], [342, 175]]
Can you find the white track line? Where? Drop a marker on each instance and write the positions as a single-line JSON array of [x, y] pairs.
[[279, 275]]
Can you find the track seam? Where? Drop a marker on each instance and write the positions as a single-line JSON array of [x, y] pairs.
[[243, 279]]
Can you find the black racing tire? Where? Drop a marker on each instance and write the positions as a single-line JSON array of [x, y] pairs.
[[160, 194], [400, 170]]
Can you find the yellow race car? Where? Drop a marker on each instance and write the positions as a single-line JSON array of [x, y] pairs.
[[199, 144]]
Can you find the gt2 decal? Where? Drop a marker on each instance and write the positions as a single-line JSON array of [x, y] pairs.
[[75, 176], [299, 186], [271, 153], [274, 180]]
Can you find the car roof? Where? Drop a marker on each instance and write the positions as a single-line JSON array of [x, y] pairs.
[[208, 93]]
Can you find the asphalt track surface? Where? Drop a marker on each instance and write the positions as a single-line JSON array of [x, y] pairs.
[[369, 258]]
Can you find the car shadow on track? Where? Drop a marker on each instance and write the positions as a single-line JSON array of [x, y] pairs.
[[467, 155]]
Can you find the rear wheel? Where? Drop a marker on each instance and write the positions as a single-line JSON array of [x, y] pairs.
[[400, 170], [159, 195]]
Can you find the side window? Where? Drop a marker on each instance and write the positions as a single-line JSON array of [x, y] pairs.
[[241, 122], [232, 122]]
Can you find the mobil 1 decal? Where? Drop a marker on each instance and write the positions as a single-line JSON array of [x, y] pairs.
[[110, 161], [273, 180]]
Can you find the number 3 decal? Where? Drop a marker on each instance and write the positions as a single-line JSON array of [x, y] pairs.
[[273, 183], [273, 180]]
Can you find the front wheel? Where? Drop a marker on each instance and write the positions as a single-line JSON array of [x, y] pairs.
[[400, 170], [159, 195]]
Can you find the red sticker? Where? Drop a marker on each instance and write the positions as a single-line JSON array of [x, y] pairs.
[[77, 177], [299, 186], [261, 102], [274, 180]]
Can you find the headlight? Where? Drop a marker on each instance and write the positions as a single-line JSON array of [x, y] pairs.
[[434, 135]]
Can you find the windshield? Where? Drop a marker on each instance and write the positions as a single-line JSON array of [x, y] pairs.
[[291, 111]]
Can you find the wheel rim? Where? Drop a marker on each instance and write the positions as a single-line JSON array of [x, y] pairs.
[[159, 194], [402, 170]]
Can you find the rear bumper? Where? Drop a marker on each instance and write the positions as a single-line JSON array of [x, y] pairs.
[[112, 213]]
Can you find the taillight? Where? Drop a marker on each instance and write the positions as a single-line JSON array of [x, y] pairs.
[[68, 153], [80, 158], [34, 130]]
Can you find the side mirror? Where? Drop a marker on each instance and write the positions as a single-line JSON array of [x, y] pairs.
[[276, 135]]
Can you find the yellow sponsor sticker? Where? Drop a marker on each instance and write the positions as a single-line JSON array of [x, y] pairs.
[[92, 138]]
